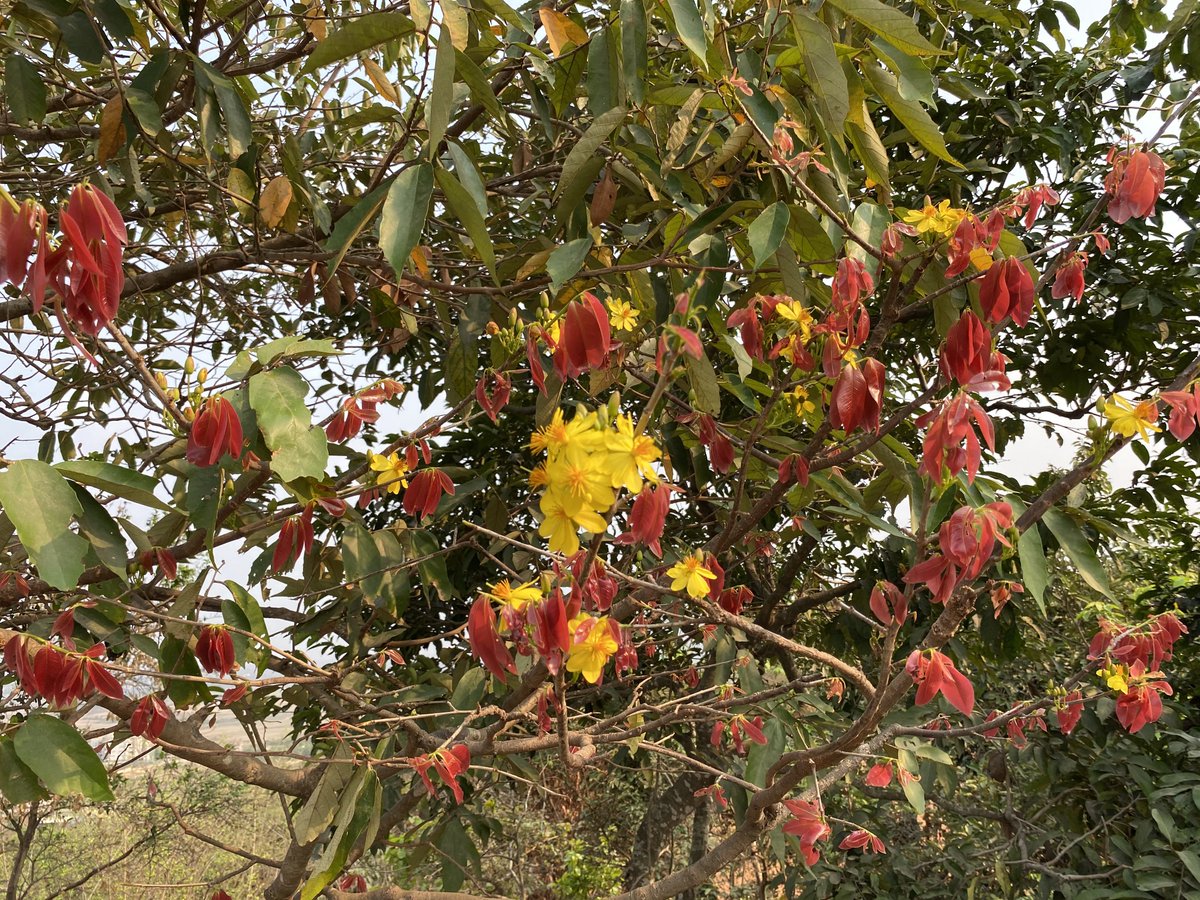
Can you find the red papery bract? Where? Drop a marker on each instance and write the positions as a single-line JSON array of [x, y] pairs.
[[858, 396], [968, 349], [584, 338], [1070, 711], [18, 661], [551, 630], [352, 884], [794, 467], [149, 717], [1035, 197], [938, 574], [1007, 290], [732, 600], [892, 241], [485, 640], [933, 672], [749, 327], [888, 603], [425, 491], [689, 341], [856, 839], [220, 895], [950, 425], [717, 585], [1185, 411], [879, 775], [87, 270], [217, 430], [1142, 703], [450, 764], [647, 517], [1134, 184], [965, 239], [851, 283], [808, 824], [969, 536], [1068, 280], [214, 650], [492, 392], [295, 537], [99, 677]]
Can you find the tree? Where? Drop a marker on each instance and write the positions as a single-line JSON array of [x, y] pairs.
[[613, 396]]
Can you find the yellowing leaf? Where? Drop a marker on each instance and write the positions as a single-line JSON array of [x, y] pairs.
[[314, 20], [112, 129], [241, 186], [276, 197], [561, 30], [382, 83]]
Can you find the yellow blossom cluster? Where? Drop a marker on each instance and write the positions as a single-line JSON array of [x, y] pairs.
[[1126, 419], [942, 219], [587, 460]]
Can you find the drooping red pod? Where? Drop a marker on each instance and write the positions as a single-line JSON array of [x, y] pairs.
[[87, 271], [214, 650], [1007, 290], [1134, 184], [492, 392], [485, 641], [149, 718], [216, 430], [584, 337], [295, 538], [425, 492]]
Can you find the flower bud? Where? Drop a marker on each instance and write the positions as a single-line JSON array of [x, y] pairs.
[[189, 365], [202, 376], [161, 380]]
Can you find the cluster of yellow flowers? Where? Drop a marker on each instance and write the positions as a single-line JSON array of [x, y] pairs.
[[588, 654], [587, 460], [942, 219]]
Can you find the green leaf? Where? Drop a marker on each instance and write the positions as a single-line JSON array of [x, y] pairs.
[[459, 369], [633, 49], [690, 27], [299, 448], [18, 784], [441, 95], [575, 165], [356, 808], [481, 91], [761, 757], [233, 106], [470, 688], [566, 261], [703, 379], [807, 237], [40, 503], [888, 23], [1034, 573], [404, 213], [869, 222], [910, 113], [322, 805], [103, 533], [824, 71], [357, 35], [61, 758], [250, 609], [915, 82], [360, 557], [767, 231], [1192, 860], [433, 571], [122, 482], [1077, 549], [347, 229], [463, 206], [25, 89]]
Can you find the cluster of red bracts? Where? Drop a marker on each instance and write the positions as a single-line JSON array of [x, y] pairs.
[[740, 729], [295, 538], [60, 676], [1007, 290], [949, 429], [809, 825], [149, 718], [216, 430], [1015, 727], [450, 764], [85, 270], [164, 559], [485, 641], [968, 358], [967, 540], [1151, 644], [1185, 411], [933, 672], [879, 775], [972, 235], [1068, 280], [1142, 703], [648, 517], [719, 447], [862, 839], [352, 884], [888, 603], [214, 650], [857, 398], [360, 409], [585, 337], [425, 491], [1033, 198], [1134, 184]]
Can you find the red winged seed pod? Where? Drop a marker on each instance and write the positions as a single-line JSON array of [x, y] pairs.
[[492, 392], [1133, 184], [857, 397], [1068, 280], [149, 717], [214, 650], [22, 229], [933, 672], [968, 349], [425, 491], [584, 337], [217, 430], [88, 274], [485, 641], [295, 538], [1007, 290], [647, 518]]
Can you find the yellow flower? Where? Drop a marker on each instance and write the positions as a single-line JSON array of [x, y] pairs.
[[589, 655], [517, 596], [631, 456], [803, 404], [574, 438], [1127, 420], [581, 482], [1116, 679], [795, 311], [392, 471], [538, 477], [689, 572], [562, 521], [981, 259], [940, 219], [622, 316]]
